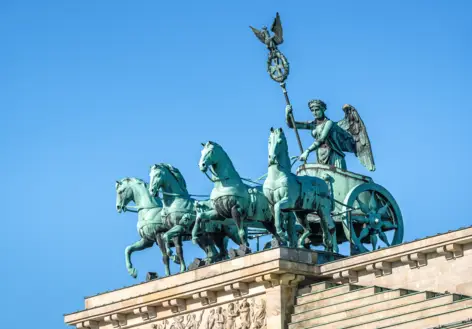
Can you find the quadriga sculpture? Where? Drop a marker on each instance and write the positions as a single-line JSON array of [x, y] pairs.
[[179, 208], [301, 194], [231, 198]]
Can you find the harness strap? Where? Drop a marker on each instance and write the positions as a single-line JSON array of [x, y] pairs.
[[182, 195], [131, 208]]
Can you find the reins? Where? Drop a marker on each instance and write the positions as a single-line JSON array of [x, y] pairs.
[[183, 195], [217, 179], [132, 208]]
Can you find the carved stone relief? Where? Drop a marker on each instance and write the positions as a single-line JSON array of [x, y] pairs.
[[242, 314]]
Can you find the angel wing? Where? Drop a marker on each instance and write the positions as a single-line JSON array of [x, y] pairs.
[[353, 124], [259, 34], [277, 29]]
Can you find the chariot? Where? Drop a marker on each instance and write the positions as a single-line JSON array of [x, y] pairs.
[[362, 209]]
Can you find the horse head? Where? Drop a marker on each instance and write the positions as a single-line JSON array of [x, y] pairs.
[[134, 189], [156, 179], [165, 176], [278, 147], [209, 155], [124, 194]]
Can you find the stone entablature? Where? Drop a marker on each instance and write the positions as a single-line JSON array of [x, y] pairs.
[[415, 265], [254, 277], [270, 278]]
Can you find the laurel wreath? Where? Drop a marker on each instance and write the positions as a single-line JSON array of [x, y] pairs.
[[272, 66]]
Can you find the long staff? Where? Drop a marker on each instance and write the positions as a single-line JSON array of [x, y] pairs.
[[277, 64]]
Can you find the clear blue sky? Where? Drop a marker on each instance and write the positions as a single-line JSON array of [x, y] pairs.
[[93, 91]]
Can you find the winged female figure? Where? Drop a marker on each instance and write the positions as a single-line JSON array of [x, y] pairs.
[[335, 138]]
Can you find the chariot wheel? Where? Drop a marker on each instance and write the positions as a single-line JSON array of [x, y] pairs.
[[376, 218]]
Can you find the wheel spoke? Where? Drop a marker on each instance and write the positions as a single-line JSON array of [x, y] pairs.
[[384, 238], [388, 225], [363, 206], [373, 240], [383, 210], [364, 233], [359, 219], [377, 219], [372, 202]]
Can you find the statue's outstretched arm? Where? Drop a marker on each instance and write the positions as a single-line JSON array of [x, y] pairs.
[[300, 125]]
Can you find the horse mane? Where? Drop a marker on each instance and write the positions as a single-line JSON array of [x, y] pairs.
[[134, 179], [230, 162], [284, 142], [215, 144], [284, 139], [176, 173]]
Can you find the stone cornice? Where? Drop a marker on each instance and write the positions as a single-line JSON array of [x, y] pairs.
[[202, 284], [256, 274], [448, 244]]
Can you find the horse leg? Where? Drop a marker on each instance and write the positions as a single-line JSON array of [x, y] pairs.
[[328, 226], [139, 245], [239, 220], [207, 244], [282, 204], [175, 231], [201, 217], [233, 234], [165, 256], [220, 241], [270, 227], [302, 220], [180, 252], [213, 253], [291, 230]]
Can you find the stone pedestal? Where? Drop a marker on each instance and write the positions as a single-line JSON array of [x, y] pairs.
[[250, 292], [260, 290]]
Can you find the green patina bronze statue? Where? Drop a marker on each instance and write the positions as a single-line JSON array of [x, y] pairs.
[[301, 194], [165, 226], [179, 208], [349, 192], [335, 138], [231, 198], [313, 206], [150, 225]]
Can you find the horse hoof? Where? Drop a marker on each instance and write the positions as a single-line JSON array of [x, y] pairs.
[[175, 259], [274, 243], [244, 250], [301, 244], [133, 272], [232, 253]]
